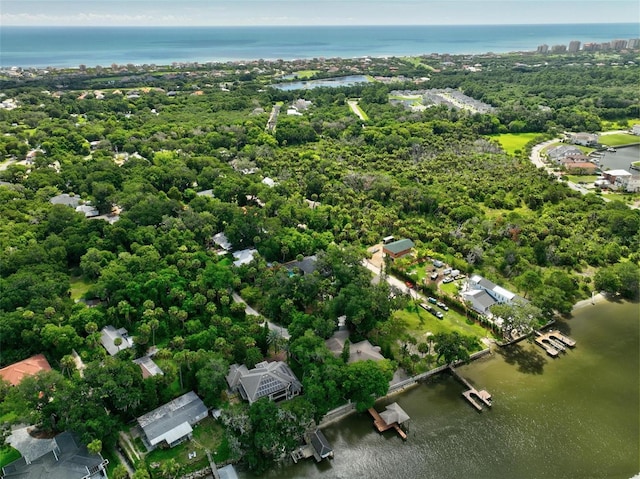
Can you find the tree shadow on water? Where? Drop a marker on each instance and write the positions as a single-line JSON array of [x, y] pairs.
[[528, 361]]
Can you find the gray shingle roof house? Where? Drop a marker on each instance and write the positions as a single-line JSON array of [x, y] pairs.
[[68, 459], [480, 300], [172, 422], [65, 199], [398, 248], [108, 336], [272, 380]]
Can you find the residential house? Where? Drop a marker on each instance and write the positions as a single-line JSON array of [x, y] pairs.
[[482, 294], [274, 380], [67, 459], [360, 351], [88, 210], [479, 300], [65, 199], [573, 165], [27, 367], [584, 139], [109, 336], [244, 256], [398, 249], [617, 177], [635, 130], [172, 423], [306, 266], [557, 153], [149, 367]]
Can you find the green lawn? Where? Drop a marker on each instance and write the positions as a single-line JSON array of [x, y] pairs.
[[207, 434], [302, 74], [8, 455], [79, 286], [619, 139], [512, 142], [419, 322], [582, 178]]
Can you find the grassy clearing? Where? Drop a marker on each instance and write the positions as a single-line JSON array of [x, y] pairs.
[[79, 286], [353, 104], [619, 139], [512, 142], [304, 74], [8, 455], [208, 434]]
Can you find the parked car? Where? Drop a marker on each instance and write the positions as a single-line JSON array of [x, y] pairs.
[[447, 272], [448, 279], [439, 315], [432, 300], [441, 305], [434, 275], [437, 263]]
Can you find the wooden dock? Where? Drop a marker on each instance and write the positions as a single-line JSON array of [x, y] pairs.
[[554, 342], [476, 398], [382, 426]]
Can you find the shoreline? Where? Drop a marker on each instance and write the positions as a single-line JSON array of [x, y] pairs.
[[595, 299]]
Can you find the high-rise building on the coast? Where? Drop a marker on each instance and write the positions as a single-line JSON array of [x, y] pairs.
[[605, 46], [558, 49], [633, 43], [590, 47], [544, 48], [574, 46], [619, 44]]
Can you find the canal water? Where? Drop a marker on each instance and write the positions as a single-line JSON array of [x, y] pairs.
[[621, 159], [574, 417]]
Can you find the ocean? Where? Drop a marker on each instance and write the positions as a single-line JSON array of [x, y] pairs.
[[71, 46]]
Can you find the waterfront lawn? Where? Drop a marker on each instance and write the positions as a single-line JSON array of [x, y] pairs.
[[619, 139], [513, 142], [8, 455], [207, 434], [418, 323]]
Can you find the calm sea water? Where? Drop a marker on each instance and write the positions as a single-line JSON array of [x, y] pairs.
[[72, 46], [574, 417]]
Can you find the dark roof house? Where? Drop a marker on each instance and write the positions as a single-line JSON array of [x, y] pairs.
[[273, 380], [171, 423], [399, 248], [68, 459]]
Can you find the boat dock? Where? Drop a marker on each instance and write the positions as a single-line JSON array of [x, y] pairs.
[[381, 425], [476, 398], [554, 342]]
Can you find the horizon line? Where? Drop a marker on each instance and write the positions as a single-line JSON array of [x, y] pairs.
[[321, 25]]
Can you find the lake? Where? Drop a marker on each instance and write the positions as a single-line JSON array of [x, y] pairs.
[[349, 80], [621, 159], [571, 417]]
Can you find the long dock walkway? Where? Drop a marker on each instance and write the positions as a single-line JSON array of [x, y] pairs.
[[382, 426], [476, 398]]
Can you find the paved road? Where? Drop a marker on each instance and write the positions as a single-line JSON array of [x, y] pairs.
[[284, 332]]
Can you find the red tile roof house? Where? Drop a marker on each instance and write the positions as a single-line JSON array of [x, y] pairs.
[[28, 367]]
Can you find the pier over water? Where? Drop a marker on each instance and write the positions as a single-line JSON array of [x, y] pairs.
[[476, 398]]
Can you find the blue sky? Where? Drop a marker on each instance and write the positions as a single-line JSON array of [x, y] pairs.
[[318, 12]]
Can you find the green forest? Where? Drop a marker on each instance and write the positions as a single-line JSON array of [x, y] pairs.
[[140, 146]]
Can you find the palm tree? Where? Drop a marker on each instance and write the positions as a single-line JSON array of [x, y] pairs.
[[68, 364]]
